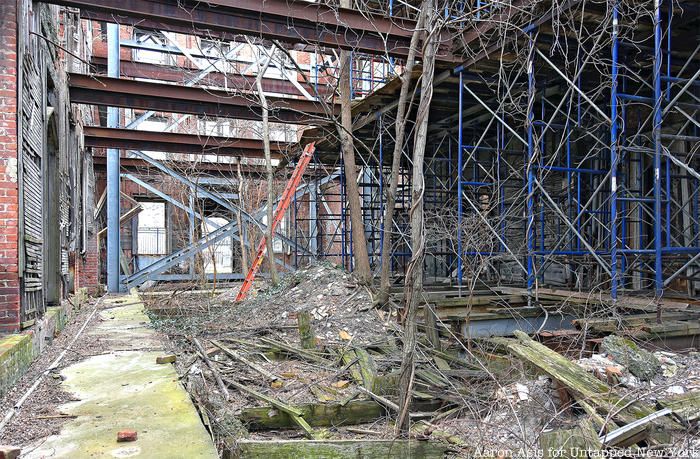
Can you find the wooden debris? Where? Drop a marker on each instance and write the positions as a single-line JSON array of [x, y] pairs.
[[236, 356], [294, 413], [358, 449], [582, 385], [431, 326], [361, 366], [306, 332], [211, 366], [426, 429], [316, 415], [570, 443], [384, 401], [302, 353], [163, 359], [441, 363], [685, 406]]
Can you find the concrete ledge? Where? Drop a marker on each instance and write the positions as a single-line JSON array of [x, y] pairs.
[[16, 354], [18, 351]]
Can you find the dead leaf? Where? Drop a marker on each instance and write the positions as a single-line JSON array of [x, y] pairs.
[[344, 335], [341, 384]]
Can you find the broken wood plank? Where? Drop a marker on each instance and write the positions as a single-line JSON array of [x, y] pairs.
[[236, 356], [341, 449], [570, 443], [303, 353], [317, 415], [685, 406], [361, 365], [431, 326], [583, 385], [294, 413], [211, 366], [306, 332]]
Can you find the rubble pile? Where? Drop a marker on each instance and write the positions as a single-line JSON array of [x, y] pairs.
[[311, 358]]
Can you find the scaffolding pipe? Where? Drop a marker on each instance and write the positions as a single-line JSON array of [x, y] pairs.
[[530, 225], [658, 273], [460, 165], [614, 156]]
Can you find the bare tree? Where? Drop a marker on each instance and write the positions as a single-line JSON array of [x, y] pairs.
[[239, 220], [400, 131], [268, 163], [359, 244], [414, 273]]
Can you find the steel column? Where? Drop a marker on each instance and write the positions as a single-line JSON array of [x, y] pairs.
[[113, 242]]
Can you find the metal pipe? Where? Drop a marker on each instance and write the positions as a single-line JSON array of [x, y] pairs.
[[573, 85], [460, 197], [658, 267], [614, 156], [113, 199], [530, 225]]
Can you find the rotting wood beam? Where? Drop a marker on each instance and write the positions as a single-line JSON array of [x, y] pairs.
[[170, 98], [360, 449]]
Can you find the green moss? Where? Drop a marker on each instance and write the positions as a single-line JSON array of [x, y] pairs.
[[638, 361], [16, 354], [127, 389]]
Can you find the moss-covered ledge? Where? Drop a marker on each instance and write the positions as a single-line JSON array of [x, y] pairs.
[[18, 351], [16, 354]]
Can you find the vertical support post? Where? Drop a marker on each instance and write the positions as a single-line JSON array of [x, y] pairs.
[[530, 225], [460, 165], [313, 223], [380, 123], [668, 98], [113, 242], [190, 239], [658, 273], [614, 156]]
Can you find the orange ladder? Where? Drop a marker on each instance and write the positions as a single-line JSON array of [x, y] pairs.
[[282, 207]]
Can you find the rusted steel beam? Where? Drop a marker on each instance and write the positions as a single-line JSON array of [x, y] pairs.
[[130, 139], [132, 69], [289, 21], [162, 97], [137, 164]]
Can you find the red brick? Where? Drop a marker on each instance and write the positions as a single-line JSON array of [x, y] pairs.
[[126, 435]]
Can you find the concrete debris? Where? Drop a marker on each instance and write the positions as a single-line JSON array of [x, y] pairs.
[[641, 363]]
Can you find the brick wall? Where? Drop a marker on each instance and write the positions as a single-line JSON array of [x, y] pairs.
[[9, 201], [87, 267]]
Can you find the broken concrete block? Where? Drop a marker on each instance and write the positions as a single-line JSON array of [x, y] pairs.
[[126, 435], [638, 361], [9, 452], [166, 359]]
